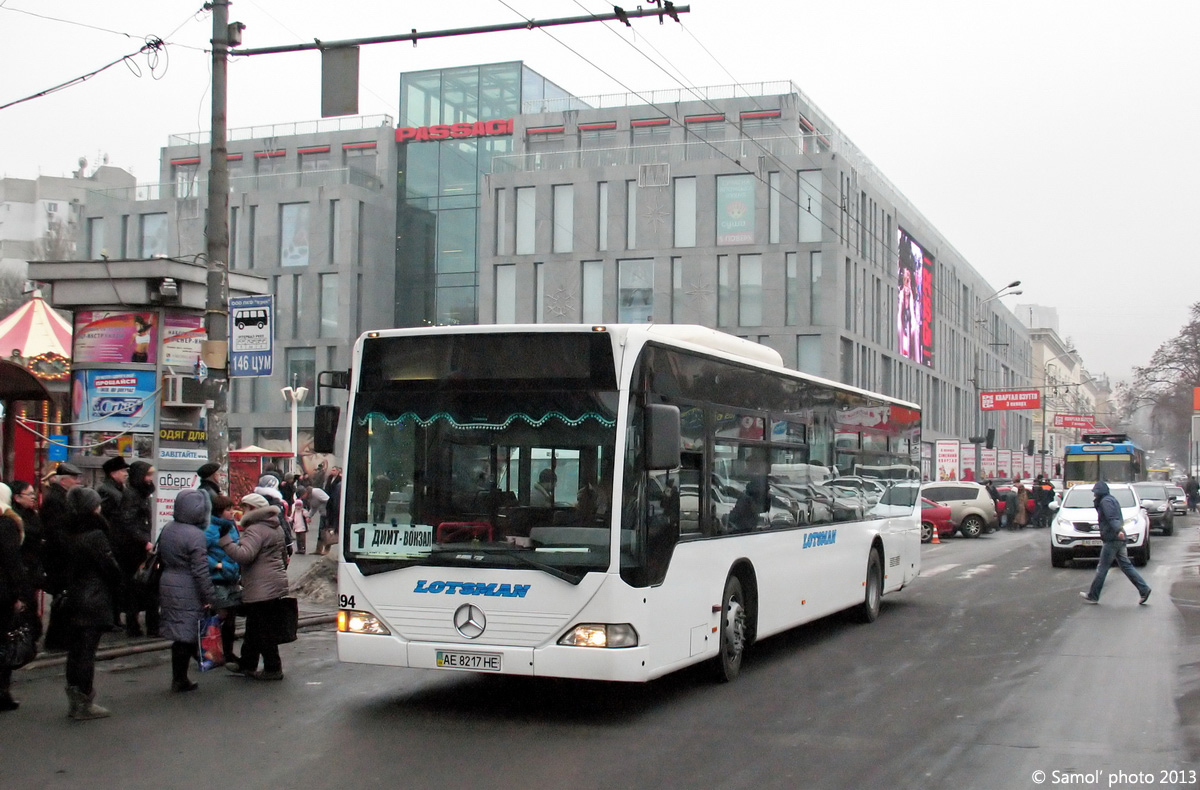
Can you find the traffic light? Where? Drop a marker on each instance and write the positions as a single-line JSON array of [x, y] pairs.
[[991, 438], [1029, 447]]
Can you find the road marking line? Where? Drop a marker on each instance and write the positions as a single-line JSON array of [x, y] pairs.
[[935, 570], [978, 569]]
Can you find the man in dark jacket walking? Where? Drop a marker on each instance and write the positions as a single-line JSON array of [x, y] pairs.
[[1112, 532]]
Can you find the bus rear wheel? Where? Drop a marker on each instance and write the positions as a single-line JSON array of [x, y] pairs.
[[733, 631], [868, 610]]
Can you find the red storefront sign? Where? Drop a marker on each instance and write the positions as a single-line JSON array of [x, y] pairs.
[[1083, 421], [446, 131], [1010, 400]]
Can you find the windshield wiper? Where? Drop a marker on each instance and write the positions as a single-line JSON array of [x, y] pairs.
[[532, 563]]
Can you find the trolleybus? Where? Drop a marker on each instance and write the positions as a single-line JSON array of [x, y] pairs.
[[1112, 457], [601, 501]]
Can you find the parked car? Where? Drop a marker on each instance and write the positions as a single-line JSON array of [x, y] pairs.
[[1178, 499], [1157, 502], [971, 506], [935, 516], [870, 489], [1074, 533]]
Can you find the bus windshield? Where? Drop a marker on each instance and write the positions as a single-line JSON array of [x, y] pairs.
[[497, 471]]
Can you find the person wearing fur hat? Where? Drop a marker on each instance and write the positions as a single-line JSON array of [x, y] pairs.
[[262, 555], [268, 489], [185, 590], [93, 581], [210, 480]]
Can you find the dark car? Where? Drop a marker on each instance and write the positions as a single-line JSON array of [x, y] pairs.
[[1157, 502]]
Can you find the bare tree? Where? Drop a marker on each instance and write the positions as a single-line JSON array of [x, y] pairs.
[[1166, 385]]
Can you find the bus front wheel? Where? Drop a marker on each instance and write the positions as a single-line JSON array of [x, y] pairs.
[[868, 610], [733, 631]]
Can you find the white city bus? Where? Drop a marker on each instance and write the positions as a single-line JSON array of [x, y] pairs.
[[599, 501]]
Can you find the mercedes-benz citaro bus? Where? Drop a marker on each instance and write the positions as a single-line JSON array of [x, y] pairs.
[[600, 502]]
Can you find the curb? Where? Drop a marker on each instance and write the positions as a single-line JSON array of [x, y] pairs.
[[58, 658]]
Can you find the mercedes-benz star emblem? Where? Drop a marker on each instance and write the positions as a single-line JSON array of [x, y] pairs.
[[469, 620]]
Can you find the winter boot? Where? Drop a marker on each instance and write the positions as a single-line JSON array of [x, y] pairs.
[[83, 707], [7, 702]]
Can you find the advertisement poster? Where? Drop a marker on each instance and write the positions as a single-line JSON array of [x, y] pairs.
[[1009, 400], [948, 455], [1004, 463], [106, 444], [967, 462], [115, 337], [120, 401], [183, 335], [914, 301], [988, 460], [1030, 461], [166, 486], [181, 435], [735, 210]]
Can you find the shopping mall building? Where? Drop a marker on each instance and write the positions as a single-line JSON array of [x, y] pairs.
[[499, 197]]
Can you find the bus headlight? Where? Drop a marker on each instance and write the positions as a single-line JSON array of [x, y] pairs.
[[350, 621], [600, 635]]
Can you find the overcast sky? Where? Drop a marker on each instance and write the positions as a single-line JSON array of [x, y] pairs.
[[1050, 141]]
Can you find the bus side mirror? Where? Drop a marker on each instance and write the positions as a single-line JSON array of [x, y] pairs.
[[325, 423], [662, 436]]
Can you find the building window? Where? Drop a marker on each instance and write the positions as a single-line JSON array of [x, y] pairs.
[[267, 168], [848, 294], [187, 180], [814, 285], [501, 220], [301, 365], [539, 296], [526, 220], [810, 205], [233, 237], [335, 230], [750, 290], [564, 217], [635, 290], [726, 306], [593, 292], [125, 221], [506, 294], [808, 354], [154, 235], [312, 163], [773, 207], [297, 303], [95, 238], [685, 212], [791, 290], [329, 305], [602, 217], [250, 237], [293, 234], [360, 161], [735, 210], [631, 215], [677, 292]]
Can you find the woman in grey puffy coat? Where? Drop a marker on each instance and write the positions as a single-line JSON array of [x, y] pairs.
[[185, 590], [261, 552]]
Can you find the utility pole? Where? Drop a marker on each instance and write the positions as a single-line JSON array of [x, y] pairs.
[[216, 316]]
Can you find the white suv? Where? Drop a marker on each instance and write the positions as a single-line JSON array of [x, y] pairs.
[[1074, 533]]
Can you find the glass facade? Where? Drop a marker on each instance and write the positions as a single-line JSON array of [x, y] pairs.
[[437, 278]]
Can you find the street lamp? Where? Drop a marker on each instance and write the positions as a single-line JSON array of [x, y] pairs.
[[295, 396], [978, 439]]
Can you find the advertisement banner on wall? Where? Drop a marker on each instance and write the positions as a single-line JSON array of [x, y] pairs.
[[735, 209], [949, 456], [114, 400], [102, 336], [181, 435], [1004, 463], [1009, 400], [988, 459], [914, 301], [1085, 422], [166, 486], [967, 462], [183, 336]]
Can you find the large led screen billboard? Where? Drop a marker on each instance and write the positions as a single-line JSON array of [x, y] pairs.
[[914, 301]]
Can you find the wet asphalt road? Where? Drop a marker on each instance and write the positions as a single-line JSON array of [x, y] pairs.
[[985, 672]]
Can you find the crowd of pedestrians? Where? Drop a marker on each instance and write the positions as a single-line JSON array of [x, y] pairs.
[[78, 552]]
